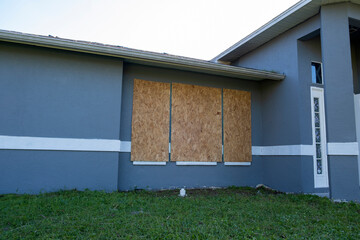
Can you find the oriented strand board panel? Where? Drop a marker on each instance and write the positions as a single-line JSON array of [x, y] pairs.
[[195, 123], [237, 125], [150, 121]]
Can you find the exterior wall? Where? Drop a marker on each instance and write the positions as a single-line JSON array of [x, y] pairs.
[[339, 92], [46, 171], [279, 99], [171, 176], [286, 105], [51, 93]]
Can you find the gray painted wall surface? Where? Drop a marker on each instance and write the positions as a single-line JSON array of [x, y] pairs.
[[51, 93], [337, 69], [157, 177], [285, 105], [44, 171], [172, 176], [339, 89], [344, 178], [290, 174], [308, 51]]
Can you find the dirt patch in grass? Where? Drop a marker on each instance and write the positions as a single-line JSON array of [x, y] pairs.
[[208, 192]]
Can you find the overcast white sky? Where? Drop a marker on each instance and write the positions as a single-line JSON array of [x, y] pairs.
[[193, 28]]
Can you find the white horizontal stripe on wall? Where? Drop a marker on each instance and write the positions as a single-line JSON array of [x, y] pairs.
[[112, 145], [284, 150], [125, 146], [343, 149], [61, 144]]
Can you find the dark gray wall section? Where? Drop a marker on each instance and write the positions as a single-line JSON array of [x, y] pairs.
[[344, 178], [308, 51], [290, 174], [339, 99], [44, 171], [53, 93], [337, 68], [172, 176], [285, 114], [157, 177]]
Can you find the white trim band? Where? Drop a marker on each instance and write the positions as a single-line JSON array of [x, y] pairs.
[[112, 145], [125, 146], [139, 163], [196, 163], [62, 144], [237, 163], [284, 150], [343, 149]]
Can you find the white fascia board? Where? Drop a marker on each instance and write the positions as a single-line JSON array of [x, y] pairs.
[[138, 55]]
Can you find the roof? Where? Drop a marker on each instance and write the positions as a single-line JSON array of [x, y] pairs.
[[139, 56], [291, 17]]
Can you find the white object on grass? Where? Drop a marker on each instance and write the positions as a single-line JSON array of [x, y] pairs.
[[182, 192]]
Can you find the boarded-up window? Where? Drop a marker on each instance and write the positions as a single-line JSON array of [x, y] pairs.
[[150, 121], [196, 123], [237, 126]]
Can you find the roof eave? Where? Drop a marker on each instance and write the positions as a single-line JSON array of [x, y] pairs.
[[134, 55], [226, 55]]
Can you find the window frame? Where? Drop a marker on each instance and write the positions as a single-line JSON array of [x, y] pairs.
[[322, 73]]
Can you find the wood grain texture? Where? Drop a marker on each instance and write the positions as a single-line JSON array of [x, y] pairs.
[[196, 123], [237, 126], [150, 121]]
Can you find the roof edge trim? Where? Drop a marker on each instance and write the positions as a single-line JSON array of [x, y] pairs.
[[263, 28], [141, 56]]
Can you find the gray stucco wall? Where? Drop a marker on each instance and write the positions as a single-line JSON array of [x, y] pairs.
[[309, 50], [50, 93], [46, 171], [53, 93], [285, 104], [157, 177], [336, 54], [339, 92]]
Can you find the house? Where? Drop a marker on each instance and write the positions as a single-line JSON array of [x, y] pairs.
[[280, 107]]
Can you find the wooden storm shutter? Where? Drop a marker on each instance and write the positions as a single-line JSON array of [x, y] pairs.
[[150, 121], [195, 123], [237, 126]]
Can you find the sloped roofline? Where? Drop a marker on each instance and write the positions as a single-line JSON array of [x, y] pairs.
[[139, 56], [291, 17]]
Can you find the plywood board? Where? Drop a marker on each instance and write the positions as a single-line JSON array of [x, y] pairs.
[[196, 123], [237, 125], [150, 121]]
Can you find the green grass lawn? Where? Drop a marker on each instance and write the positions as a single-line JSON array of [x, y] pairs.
[[232, 213]]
